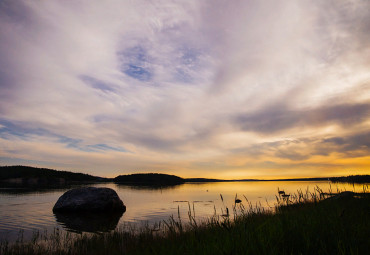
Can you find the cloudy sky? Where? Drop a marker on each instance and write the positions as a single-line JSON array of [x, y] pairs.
[[196, 88]]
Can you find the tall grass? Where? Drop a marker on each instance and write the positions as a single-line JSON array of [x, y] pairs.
[[301, 223]]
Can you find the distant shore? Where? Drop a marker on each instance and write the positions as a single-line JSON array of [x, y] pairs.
[[29, 177]]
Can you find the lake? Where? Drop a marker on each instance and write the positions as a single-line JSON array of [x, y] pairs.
[[24, 213]]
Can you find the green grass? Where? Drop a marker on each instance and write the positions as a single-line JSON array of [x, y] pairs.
[[305, 224]]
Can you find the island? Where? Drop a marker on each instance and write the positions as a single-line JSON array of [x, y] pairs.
[[149, 179]]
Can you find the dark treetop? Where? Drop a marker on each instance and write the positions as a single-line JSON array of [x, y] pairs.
[[149, 179], [32, 177]]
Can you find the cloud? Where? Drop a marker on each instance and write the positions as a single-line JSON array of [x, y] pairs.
[[355, 145], [10, 131], [279, 118], [181, 85], [303, 149]]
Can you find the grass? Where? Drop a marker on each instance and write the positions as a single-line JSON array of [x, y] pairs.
[[303, 223]]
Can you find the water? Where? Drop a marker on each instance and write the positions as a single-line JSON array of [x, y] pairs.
[[21, 214]]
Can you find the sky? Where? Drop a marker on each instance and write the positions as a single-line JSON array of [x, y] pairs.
[[196, 88]]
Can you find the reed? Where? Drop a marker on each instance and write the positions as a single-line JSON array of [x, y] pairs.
[[302, 223]]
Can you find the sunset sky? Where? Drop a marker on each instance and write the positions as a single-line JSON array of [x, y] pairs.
[[213, 88]]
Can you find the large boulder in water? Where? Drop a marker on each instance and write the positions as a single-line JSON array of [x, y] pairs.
[[89, 199]]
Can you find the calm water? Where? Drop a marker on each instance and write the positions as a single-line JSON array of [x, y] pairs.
[[29, 212]]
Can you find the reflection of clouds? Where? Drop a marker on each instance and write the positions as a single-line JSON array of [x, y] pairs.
[[148, 187], [177, 84]]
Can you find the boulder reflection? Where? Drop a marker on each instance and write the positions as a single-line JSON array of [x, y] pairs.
[[88, 222]]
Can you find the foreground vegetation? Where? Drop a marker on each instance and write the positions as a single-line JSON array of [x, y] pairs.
[[300, 224]]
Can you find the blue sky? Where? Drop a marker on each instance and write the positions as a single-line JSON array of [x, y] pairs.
[[228, 89]]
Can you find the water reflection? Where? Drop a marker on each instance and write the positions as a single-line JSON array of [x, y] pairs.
[[39, 190], [149, 187], [88, 222], [32, 211], [25, 191]]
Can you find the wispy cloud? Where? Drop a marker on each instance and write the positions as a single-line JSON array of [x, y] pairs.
[[279, 118]]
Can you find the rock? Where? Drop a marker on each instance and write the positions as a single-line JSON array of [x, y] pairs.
[[89, 199]]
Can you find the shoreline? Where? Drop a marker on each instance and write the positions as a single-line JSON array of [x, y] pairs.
[[30, 177]]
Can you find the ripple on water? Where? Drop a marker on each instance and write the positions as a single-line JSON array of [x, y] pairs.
[[34, 211]]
